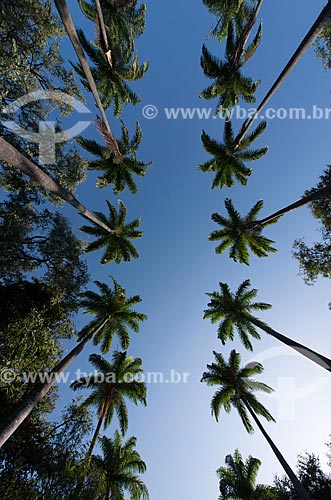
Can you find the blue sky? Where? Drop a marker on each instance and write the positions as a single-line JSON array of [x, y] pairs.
[[177, 437]]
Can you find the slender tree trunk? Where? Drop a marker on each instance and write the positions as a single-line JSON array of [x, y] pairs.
[[246, 32], [95, 437], [300, 491], [323, 19], [103, 32], [63, 10], [314, 356], [19, 414], [13, 157], [317, 195]]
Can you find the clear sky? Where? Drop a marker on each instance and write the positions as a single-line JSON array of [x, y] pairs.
[[177, 437]]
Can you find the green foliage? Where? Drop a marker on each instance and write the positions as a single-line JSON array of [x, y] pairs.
[[118, 246], [39, 241], [230, 84], [241, 233], [237, 479], [114, 382], [228, 158], [119, 467], [236, 387], [312, 477], [31, 61], [315, 261], [43, 460], [111, 80], [30, 52], [124, 19], [235, 312], [322, 46], [117, 170], [111, 304], [227, 11]]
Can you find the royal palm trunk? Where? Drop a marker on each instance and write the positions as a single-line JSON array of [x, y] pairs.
[[316, 195], [13, 157], [301, 492], [28, 402], [323, 20], [63, 10], [305, 351]]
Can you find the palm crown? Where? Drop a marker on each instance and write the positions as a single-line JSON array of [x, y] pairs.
[[118, 169], [230, 84], [117, 242], [111, 80], [235, 312], [114, 382], [240, 233], [229, 159], [124, 19], [111, 304], [226, 11], [237, 479], [236, 387], [120, 466]]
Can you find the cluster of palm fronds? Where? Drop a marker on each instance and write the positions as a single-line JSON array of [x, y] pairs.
[[235, 312]]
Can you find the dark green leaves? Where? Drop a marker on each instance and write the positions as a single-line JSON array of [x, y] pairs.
[[234, 311], [241, 233], [228, 162], [112, 308], [117, 170], [234, 387], [117, 243]]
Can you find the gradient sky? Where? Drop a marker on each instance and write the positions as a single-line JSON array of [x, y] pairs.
[[177, 437]]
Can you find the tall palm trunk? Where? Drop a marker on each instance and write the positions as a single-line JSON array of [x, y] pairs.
[[29, 401], [305, 351], [301, 492], [317, 195], [63, 10], [245, 34], [95, 437], [13, 157], [323, 20], [101, 24]]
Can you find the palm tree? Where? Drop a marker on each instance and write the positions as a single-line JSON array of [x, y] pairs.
[[123, 18], [236, 389], [114, 382], [120, 466], [230, 84], [113, 314], [118, 170], [239, 233], [238, 478], [226, 11], [103, 33], [111, 80], [13, 157], [63, 10], [228, 160], [118, 246], [322, 21], [235, 313]]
